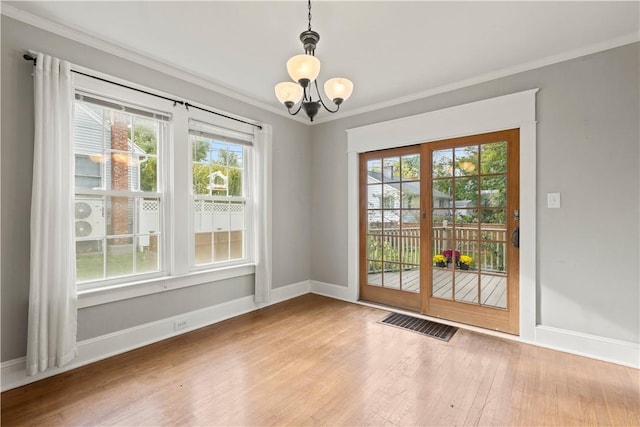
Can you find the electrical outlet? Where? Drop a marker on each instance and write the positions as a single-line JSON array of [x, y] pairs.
[[180, 324]]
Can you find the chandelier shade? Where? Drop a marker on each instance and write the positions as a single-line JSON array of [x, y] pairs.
[[303, 67], [304, 70], [338, 88], [289, 92]]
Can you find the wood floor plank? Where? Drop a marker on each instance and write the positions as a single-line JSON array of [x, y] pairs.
[[318, 361]]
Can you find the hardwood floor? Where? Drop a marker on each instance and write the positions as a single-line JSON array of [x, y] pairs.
[[317, 361]]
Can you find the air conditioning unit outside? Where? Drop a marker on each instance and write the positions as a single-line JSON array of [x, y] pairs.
[[89, 216]]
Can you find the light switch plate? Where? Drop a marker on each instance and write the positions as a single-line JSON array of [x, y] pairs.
[[553, 200]]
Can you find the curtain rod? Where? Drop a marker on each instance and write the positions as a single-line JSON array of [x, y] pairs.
[[29, 57]]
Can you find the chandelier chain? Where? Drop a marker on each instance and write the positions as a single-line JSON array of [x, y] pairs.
[[309, 1]]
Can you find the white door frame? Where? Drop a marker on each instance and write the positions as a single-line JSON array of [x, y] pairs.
[[512, 111]]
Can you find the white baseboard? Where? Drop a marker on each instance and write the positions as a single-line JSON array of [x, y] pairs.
[[593, 346], [12, 372], [596, 347], [333, 291]]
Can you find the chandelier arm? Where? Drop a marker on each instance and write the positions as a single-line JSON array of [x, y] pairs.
[[297, 111], [322, 102], [306, 94]]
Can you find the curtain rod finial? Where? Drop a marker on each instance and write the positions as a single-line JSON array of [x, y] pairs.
[[29, 57]]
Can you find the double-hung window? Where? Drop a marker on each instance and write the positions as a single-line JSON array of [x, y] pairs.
[[220, 180], [119, 181], [165, 196]]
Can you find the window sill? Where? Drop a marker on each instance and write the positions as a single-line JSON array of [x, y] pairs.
[[107, 294]]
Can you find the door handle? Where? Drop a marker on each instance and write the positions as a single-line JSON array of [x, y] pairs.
[[515, 237]]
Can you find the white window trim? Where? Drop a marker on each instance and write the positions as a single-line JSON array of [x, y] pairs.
[[177, 254], [122, 291], [512, 111]]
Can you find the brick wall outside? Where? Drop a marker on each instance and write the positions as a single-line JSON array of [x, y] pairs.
[[120, 175]]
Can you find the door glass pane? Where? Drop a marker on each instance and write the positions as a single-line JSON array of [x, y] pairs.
[[493, 232], [442, 163], [493, 192], [374, 273], [410, 246], [374, 196], [438, 247], [466, 192], [494, 217], [493, 257], [466, 160], [468, 259], [494, 291], [391, 275], [390, 196], [374, 222], [391, 220], [466, 286], [411, 195], [410, 167], [442, 284], [374, 166], [374, 248], [391, 169], [410, 219], [493, 157], [466, 231], [410, 278], [442, 193], [466, 218], [441, 218]]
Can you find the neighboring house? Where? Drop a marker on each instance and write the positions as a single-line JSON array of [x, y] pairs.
[[387, 196], [93, 135]]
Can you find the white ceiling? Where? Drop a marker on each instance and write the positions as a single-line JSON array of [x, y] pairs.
[[391, 50]]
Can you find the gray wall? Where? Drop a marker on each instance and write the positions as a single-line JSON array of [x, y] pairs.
[[291, 191], [587, 149]]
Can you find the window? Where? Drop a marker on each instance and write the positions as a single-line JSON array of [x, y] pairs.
[[165, 196], [118, 178], [219, 157]]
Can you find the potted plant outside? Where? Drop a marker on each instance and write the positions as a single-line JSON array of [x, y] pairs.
[[465, 262], [440, 260], [451, 255]]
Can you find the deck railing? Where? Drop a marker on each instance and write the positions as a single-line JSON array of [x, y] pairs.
[[403, 245]]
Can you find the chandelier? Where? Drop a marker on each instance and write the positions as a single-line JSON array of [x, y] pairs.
[[304, 70]]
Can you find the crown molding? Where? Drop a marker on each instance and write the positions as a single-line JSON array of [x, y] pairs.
[[539, 63], [137, 57], [144, 59]]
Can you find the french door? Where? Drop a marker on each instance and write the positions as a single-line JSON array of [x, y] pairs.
[[439, 229], [390, 236]]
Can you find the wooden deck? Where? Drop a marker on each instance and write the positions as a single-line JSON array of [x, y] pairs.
[[493, 287]]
